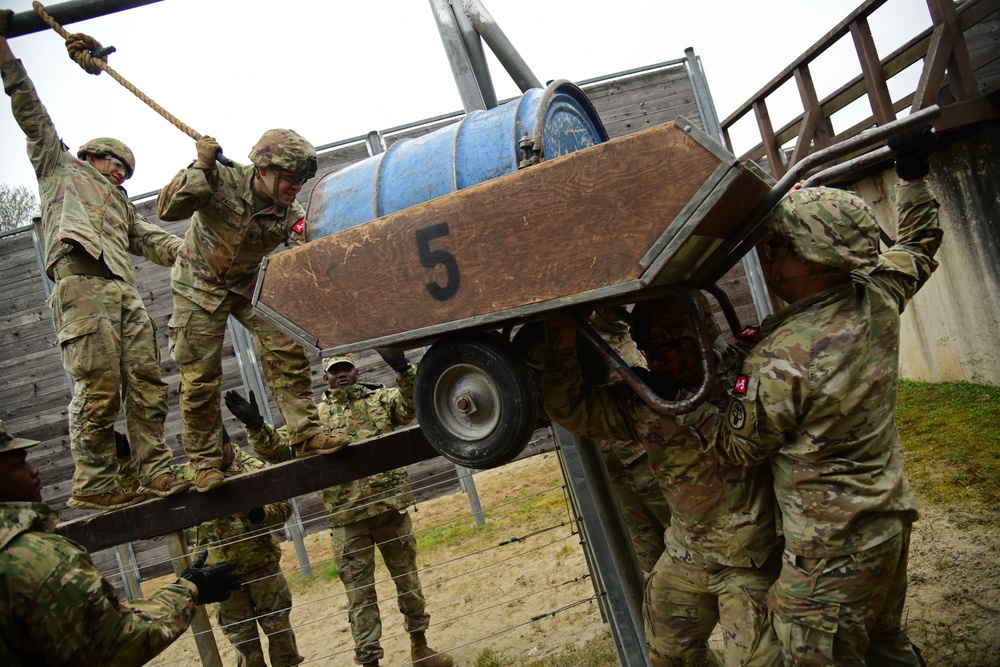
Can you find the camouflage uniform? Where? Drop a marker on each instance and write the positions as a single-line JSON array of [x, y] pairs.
[[367, 512], [721, 542], [57, 609], [107, 340], [231, 232], [818, 397], [643, 505], [264, 597]]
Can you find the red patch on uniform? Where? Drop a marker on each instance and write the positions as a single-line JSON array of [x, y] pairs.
[[748, 333], [299, 226], [740, 386]]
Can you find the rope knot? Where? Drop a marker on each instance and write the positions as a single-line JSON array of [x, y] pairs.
[[82, 48]]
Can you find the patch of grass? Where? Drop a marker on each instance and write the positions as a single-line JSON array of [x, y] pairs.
[[448, 534], [944, 643], [598, 652], [950, 433]]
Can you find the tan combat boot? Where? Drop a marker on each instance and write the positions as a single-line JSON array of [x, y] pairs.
[[115, 499], [208, 479], [165, 485], [423, 655], [320, 443]]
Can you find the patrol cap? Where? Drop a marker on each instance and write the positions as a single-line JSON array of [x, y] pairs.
[[669, 319], [108, 146], [330, 362], [9, 443], [832, 227]]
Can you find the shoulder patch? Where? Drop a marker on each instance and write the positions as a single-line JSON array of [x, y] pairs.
[[748, 333], [737, 415], [299, 226]]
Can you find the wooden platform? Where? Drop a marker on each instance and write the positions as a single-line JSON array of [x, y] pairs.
[[595, 222]]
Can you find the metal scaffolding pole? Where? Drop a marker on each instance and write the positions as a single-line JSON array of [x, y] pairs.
[[617, 578], [458, 57], [246, 359], [713, 128], [27, 22], [501, 46]]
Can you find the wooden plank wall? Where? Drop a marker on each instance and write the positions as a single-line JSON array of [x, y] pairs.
[[33, 389]]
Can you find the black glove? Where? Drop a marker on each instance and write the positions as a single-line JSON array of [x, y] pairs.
[[214, 584], [244, 410], [5, 15], [256, 514], [913, 147], [395, 358], [122, 449]]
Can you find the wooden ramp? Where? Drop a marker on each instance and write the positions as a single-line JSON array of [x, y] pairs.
[[636, 211]]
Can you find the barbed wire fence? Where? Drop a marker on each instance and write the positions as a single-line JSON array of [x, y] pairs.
[[467, 562]]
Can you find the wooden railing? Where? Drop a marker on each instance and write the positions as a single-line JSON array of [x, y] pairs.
[[962, 84]]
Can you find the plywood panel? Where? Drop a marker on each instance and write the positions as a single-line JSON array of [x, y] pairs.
[[566, 226]]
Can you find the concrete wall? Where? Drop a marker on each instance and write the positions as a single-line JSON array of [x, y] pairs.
[[951, 330]]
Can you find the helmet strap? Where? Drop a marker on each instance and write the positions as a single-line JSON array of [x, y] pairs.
[[274, 184], [104, 170]]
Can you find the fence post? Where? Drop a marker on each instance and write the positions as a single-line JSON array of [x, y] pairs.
[[616, 574], [201, 627]]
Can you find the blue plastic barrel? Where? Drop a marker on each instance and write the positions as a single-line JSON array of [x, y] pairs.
[[482, 146]]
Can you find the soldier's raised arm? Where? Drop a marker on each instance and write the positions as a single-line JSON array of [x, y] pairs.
[[44, 145], [192, 187]]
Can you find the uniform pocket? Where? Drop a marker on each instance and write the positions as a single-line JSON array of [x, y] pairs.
[[179, 341], [805, 628], [85, 347]]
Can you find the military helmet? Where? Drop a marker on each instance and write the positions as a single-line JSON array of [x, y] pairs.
[[669, 319], [832, 227], [287, 150], [330, 362], [9, 443], [108, 146]]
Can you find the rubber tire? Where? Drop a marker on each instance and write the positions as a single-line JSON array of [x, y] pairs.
[[492, 361]]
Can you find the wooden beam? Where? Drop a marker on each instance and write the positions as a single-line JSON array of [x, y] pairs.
[[771, 148], [871, 69], [960, 72], [275, 483], [822, 128], [935, 62], [826, 41]]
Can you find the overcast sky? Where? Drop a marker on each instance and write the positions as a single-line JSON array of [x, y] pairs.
[[332, 69]]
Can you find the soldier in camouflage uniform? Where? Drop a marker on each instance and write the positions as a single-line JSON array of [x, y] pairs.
[[368, 512], [817, 397], [107, 340], [238, 215], [721, 544], [55, 607], [247, 539], [643, 505]]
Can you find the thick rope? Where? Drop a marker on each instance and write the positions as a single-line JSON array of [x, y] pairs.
[[92, 57]]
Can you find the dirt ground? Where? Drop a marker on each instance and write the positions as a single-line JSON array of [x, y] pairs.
[[531, 597]]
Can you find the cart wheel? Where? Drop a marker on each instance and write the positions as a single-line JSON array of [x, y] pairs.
[[475, 400]]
